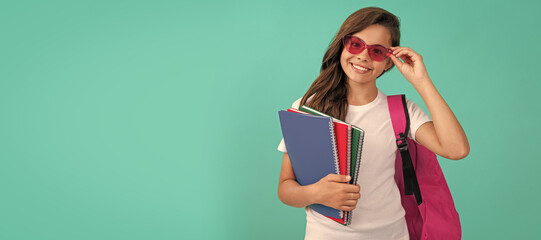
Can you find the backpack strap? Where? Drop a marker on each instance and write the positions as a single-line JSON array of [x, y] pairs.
[[401, 125]]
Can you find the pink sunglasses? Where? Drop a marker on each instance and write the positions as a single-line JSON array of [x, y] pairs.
[[355, 45]]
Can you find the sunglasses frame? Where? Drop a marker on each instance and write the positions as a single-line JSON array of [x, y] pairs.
[[364, 46]]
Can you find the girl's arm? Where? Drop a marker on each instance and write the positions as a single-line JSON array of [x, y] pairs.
[[332, 190], [444, 135]]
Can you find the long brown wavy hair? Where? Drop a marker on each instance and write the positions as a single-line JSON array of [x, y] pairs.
[[330, 90]]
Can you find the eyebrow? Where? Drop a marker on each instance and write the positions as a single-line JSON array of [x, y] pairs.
[[370, 44]]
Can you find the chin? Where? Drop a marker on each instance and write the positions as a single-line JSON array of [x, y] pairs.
[[361, 79], [358, 78], [360, 82]]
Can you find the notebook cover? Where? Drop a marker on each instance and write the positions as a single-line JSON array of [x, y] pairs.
[[342, 133], [310, 143]]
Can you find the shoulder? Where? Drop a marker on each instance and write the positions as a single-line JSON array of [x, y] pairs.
[[296, 103], [411, 104], [413, 107]]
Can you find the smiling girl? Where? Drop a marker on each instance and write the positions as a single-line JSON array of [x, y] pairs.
[[366, 46]]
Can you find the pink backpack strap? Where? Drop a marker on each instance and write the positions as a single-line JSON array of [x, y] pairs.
[[399, 118], [401, 125]]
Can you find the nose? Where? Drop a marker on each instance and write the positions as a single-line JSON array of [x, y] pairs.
[[364, 56]]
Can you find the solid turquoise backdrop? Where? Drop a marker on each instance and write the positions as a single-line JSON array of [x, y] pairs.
[[158, 119]]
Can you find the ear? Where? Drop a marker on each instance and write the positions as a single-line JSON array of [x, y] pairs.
[[389, 64]]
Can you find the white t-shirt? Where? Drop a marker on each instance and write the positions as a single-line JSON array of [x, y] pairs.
[[379, 213]]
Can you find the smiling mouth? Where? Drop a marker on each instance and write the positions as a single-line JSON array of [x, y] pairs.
[[359, 68]]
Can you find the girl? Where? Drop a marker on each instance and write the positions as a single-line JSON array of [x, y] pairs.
[[366, 46]]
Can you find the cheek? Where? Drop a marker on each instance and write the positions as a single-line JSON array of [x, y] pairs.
[[382, 65], [388, 62]]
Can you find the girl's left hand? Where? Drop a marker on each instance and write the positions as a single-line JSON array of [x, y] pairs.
[[413, 67]]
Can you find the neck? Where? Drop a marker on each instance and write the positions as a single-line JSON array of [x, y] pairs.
[[361, 94]]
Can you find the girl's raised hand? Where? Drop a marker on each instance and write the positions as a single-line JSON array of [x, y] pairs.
[[413, 67], [334, 191]]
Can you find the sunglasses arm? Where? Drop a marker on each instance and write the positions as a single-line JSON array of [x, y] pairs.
[[389, 52]]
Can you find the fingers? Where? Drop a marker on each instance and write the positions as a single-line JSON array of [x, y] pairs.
[[350, 201], [351, 197], [338, 178], [396, 61], [354, 196], [346, 208], [405, 53], [340, 195], [350, 188], [348, 205], [397, 51]]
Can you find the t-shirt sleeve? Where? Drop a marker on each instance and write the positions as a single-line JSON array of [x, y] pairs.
[[282, 145], [417, 118]]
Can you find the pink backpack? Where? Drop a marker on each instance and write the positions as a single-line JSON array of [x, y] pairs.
[[429, 206]]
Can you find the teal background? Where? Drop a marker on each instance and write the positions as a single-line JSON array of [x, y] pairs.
[[158, 119]]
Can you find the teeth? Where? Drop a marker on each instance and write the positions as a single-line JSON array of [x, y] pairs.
[[360, 68]]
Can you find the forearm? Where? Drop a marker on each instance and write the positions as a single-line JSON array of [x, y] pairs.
[[449, 132], [293, 194]]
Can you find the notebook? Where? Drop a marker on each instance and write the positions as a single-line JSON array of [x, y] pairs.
[[311, 146], [342, 132]]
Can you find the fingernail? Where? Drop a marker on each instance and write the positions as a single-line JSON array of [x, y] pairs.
[[348, 178]]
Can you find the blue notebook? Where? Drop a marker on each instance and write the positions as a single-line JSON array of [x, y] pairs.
[[311, 147]]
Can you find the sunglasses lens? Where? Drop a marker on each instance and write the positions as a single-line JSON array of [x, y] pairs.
[[378, 53], [353, 45]]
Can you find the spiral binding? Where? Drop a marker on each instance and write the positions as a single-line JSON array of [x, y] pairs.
[[359, 153], [335, 154], [356, 173], [349, 150]]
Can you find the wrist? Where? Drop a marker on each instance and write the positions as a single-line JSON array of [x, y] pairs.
[[311, 192], [422, 84]]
